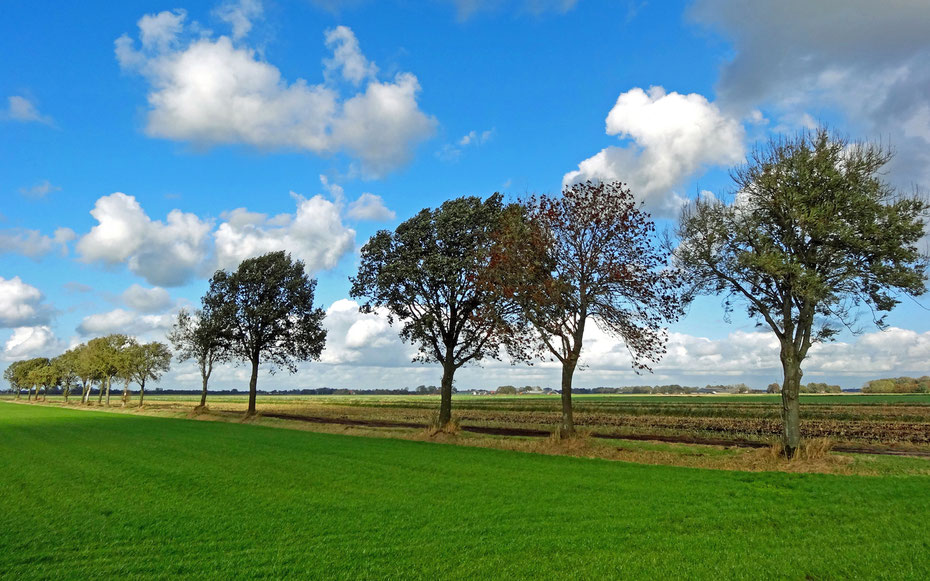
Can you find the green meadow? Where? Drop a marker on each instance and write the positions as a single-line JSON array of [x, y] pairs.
[[87, 494]]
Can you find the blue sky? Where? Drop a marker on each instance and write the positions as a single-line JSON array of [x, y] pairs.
[[199, 133]]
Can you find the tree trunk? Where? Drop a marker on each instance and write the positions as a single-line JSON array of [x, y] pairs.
[[103, 382], [29, 394], [568, 422], [203, 394], [18, 392], [67, 392], [141, 393], [125, 397], [253, 382], [109, 381], [445, 394], [790, 402]]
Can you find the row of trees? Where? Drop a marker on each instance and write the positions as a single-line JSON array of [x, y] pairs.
[[898, 385], [812, 234], [812, 237], [99, 361], [813, 387]]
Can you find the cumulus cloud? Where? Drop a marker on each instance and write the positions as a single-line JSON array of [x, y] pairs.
[[147, 300], [673, 136], [164, 253], [370, 207], [347, 56], [865, 59], [239, 15], [40, 190], [28, 342], [362, 339], [21, 304], [23, 110], [123, 321], [213, 91], [314, 233], [33, 243]]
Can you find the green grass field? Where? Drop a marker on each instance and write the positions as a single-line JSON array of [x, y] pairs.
[[88, 495]]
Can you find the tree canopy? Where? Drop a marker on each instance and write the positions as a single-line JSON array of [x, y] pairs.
[[589, 254], [426, 276], [812, 235], [264, 311], [198, 336]]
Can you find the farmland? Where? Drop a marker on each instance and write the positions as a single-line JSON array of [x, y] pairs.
[[90, 494], [870, 421]]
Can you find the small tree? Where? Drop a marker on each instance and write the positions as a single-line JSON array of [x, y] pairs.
[[80, 361], [199, 336], [43, 374], [104, 353], [265, 311], [17, 375], [587, 255], [150, 360], [813, 233], [65, 369], [426, 276], [129, 358]]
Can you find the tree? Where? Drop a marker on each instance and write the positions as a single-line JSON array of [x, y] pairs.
[[773, 388], [80, 360], [150, 361], [425, 275], [65, 370], [43, 374], [17, 374], [198, 336], [127, 360], [587, 255], [104, 353], [813, 234], [265, 312]]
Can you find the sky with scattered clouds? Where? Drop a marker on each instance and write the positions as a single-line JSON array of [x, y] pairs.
[[144, 145]]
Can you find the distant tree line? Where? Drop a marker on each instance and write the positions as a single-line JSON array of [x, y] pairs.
[[898, 385], [100, 361]]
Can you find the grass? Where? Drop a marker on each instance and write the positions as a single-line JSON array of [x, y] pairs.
[[89, 494]]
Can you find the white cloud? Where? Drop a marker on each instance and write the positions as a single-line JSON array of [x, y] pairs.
[[370, 207], [210, 91], [123, 321], [20, 304], [163, 253], [866, 60], [40, 190], [240, 15], [33, 243], [347, 56], [314, 234], [362, 339], [475, 138], [23, 110], [451, 152], [28, 342], [673, 136], [147, 300]]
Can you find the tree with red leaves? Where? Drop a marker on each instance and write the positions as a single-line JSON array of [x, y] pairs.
[[587, 255]]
